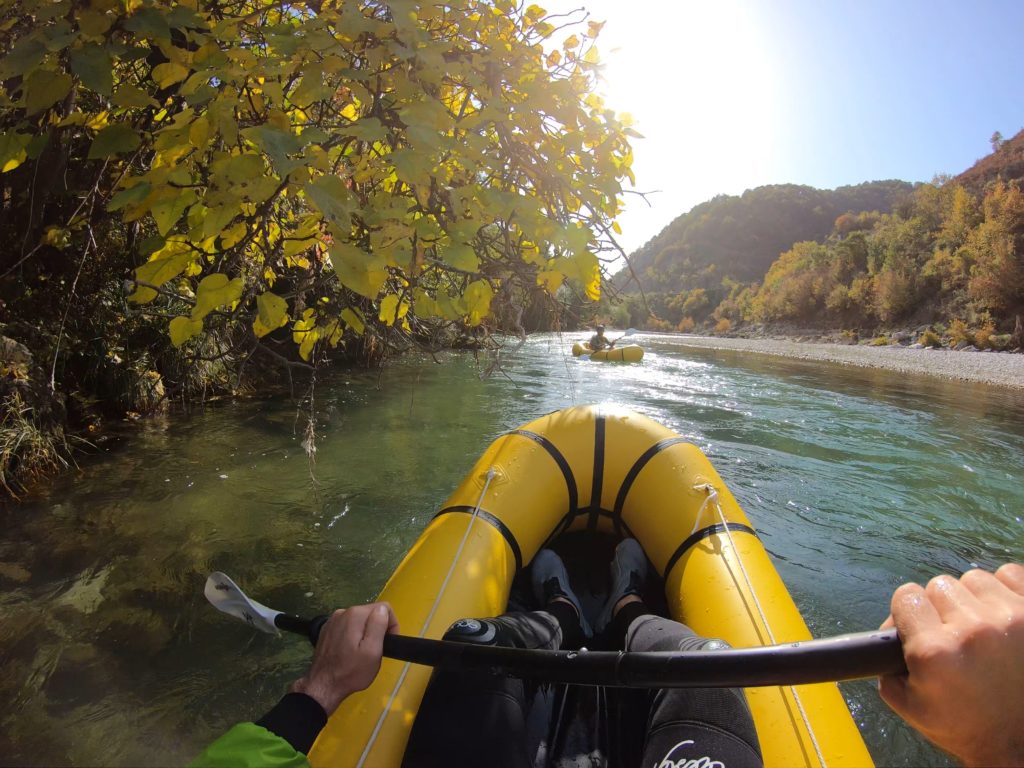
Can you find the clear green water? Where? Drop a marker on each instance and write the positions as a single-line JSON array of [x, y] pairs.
[[109, 654]]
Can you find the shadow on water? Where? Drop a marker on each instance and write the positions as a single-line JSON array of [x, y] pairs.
[[856, 479]]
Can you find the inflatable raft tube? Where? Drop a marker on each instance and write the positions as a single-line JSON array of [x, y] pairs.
[[611, 470], [630, 353]]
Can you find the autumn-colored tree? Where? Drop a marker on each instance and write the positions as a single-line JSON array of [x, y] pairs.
[[372, 157], [330, 168], [997, 252]]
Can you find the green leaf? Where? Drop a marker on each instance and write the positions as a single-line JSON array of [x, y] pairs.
[[368, 129], [218, 217], [242, 177], [184, 328], [169, 73], [148, 23], [412, 166], [276, 143], [130, 96], [311, 88], [425, 304], [462, 257], [93, 66], [43, 88], [27, 54], [93, 23], [115, 139], [130, 196], [48, 11], [332, 197], [181, 16], [58, 36], [272, 312], [215, 291], [169, 206], [12, 150], [242, 169]]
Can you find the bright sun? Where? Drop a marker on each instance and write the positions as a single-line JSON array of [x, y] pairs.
[[700, 80]]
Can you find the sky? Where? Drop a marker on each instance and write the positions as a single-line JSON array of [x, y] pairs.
[[734, 94]]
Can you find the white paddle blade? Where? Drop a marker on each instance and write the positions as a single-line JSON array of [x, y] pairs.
[[226, 596]]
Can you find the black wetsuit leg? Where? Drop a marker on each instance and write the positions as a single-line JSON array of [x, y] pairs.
[[470, 717], [691, 726]]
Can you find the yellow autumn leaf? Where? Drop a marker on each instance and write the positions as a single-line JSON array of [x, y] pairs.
[[233, 235], [184, 328], [169, 73], [477, 299], [353, 320], [391, 309], [166, 264], [214, 291], [303, 326], [550, 281], [259, 329], [359, 271], [13, 150], [199, 132], [425, 304], [309, 340], [272, 312]]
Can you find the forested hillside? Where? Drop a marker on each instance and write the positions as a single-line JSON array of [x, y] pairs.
[[948, 255], [736, 238]]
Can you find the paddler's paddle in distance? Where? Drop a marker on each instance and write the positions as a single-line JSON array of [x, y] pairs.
[[629, 332], [844, 657]]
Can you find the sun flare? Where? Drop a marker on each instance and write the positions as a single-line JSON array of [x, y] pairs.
[[701, 82]]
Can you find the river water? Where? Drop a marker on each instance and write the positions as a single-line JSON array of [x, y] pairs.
[[857, 481]]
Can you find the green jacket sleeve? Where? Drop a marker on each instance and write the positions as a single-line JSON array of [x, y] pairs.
[[248, 745]]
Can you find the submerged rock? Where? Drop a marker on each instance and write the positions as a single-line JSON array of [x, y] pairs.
[[14, 572]]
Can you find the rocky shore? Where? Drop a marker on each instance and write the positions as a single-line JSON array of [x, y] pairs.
[[983, 367]]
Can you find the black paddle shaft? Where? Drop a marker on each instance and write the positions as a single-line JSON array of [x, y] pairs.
[[844, 657]]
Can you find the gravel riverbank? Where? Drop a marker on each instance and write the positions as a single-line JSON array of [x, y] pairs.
[[999, 369]]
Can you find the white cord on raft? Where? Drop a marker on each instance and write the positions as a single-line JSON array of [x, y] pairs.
[[712, 497], [426, 623]]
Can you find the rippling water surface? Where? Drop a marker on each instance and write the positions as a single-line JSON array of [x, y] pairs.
[[109, 655]]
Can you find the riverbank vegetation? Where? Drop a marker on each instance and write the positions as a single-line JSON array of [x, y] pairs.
[[945, 259], [207, 198]]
